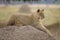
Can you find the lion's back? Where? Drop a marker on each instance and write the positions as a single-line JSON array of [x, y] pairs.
[[25, 19]]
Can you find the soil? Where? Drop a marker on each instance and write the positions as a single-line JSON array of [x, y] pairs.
[[23, 33], [55, 30]]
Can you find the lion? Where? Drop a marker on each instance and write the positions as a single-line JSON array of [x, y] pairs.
[[21, 19], [33, 19]]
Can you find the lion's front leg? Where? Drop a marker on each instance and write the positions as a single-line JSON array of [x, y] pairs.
[[43, 28]]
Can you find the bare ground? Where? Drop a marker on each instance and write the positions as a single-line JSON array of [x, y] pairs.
[[23, 33], [55, 30]]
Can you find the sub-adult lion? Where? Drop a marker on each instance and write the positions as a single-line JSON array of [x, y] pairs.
[[34, 19]]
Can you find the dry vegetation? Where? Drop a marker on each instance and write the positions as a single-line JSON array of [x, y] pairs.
[[52, 15]]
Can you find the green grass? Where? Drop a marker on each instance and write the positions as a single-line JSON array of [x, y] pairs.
[[52, 15]]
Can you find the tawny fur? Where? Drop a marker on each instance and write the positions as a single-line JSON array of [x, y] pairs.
[[23, 19], [20, 19], [29, 19]]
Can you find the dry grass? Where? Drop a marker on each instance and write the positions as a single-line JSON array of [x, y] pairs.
[[52, 15], [6, 12]]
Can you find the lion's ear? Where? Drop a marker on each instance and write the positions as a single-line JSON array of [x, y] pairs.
[[38, 10], [42, 10]]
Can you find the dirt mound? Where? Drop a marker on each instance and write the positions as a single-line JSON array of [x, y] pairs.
[[55, 30], [25, 9], [23, 33]]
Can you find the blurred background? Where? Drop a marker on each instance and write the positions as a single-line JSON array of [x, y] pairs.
[[30, 1]]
